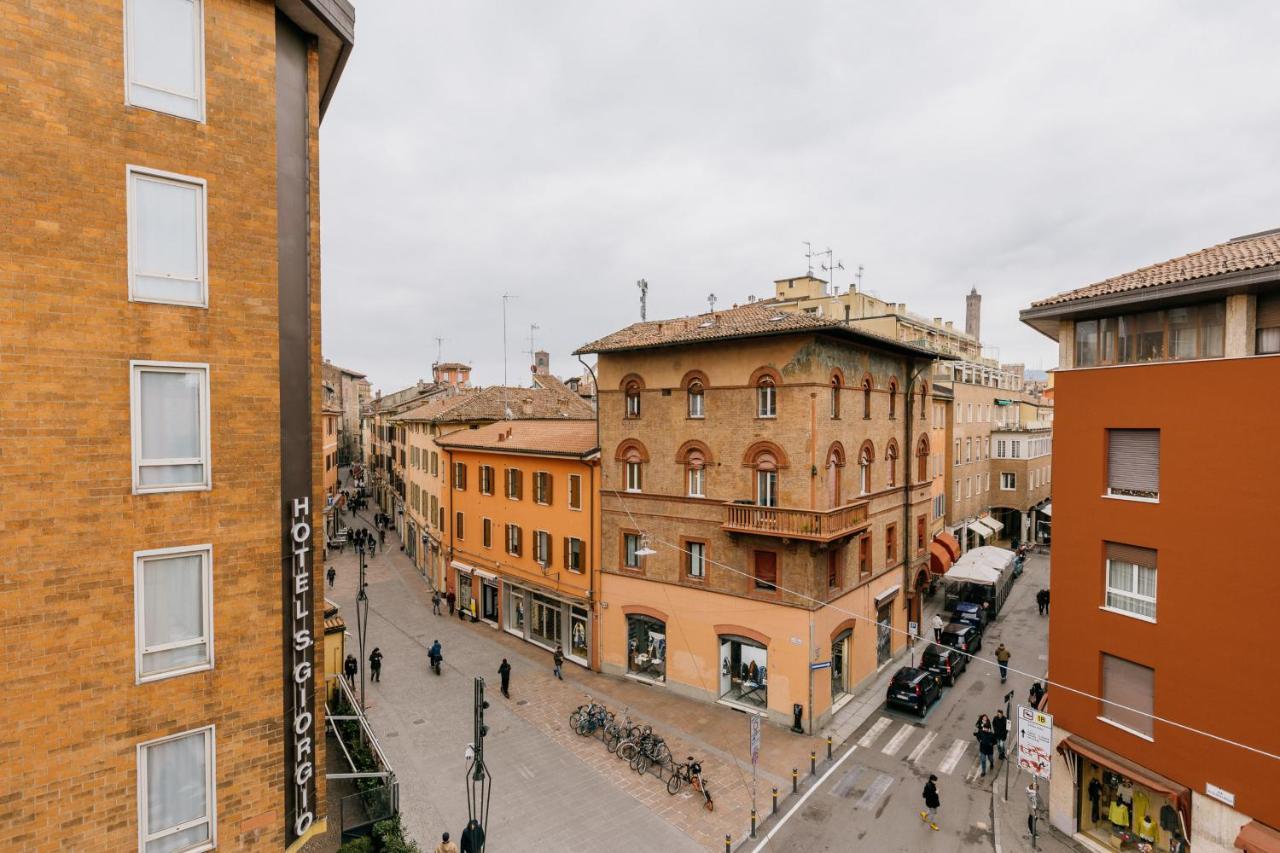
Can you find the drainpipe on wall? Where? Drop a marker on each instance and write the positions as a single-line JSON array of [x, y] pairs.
[[597, 530], [908, 456]]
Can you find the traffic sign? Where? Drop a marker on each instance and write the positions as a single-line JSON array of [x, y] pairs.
[[1035, 741]]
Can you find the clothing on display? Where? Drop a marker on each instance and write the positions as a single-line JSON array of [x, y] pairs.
[[1095, 799], [1147, 830], [1118, 814]]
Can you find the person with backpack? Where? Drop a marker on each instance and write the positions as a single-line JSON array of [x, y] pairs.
[[435, 655], [931, 803], [375, 664]]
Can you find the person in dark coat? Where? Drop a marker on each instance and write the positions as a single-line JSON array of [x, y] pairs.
[[435, 602], [986, 749], [332, 574], [1000, 728], [504, 672], [558, 660], [473, 837], [931, 802], [452, 599], [382, 537], [375, 664], [351, 666]]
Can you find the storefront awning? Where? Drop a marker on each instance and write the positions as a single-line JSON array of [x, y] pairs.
[[990, 521], [1047, 510], [939, 559], [950, 543], [1180, 794], [979, 527], [887, 594], [462, 567], [1257, 837]]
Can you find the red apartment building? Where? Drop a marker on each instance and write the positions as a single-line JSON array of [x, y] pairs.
[[1163, 576]]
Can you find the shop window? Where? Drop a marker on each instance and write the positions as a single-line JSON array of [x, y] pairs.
[[1128, 695], [647, 647], [1133, 463], [164, 56], [173, 591], [176, 793], [1131, 580], [578, 648], [744, 671], [546, 621]]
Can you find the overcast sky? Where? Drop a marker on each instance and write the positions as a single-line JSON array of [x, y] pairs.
[[558, 151]]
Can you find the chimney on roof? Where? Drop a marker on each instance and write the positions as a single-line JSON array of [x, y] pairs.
[[508, 432], [526, 407]]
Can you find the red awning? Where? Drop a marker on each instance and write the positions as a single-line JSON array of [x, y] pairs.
[[939, 559], [1257, 837], [950, 543], [1180, 794]]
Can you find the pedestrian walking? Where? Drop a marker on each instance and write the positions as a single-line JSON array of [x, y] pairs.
[[351, 666], [373, 548], [504, 672], [473, 837], [986, 749], [1042, 601], [1000, 728], [445, 845], [375, 664], [1002, 659], [937, 628], [1046, 602], [435, 602], [558, 660], [382, 536], [931, 803], [332, 574], [1035, 694], [452, 599]]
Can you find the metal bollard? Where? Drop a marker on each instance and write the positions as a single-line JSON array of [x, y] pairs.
[[795, 775], [753, 823], [728, 844], [828, 747], [813, 763], [775, 799]]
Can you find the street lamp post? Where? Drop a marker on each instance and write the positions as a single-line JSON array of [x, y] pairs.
[[362, 619]]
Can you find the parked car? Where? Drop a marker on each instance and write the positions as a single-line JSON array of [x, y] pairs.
[[944, 662], [913, 688], [962, 636], [968, 611]]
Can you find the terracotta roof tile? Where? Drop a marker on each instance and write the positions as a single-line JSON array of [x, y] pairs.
[[754, 319], [491, 404], [564, 438], [1243, 253]]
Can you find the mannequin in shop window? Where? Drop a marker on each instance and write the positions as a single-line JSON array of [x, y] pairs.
[[753, 673], [1119, 815], [1095, 799]]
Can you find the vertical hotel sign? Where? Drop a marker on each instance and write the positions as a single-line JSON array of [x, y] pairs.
[[302, 720]]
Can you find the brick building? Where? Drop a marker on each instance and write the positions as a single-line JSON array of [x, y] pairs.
[[160, 320], [773, 463], [351, 395], [523, 511], [1163, 573]]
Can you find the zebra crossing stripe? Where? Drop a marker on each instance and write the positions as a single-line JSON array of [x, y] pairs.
[[896, 742], [921, 747], [874, 732], [952, 758]]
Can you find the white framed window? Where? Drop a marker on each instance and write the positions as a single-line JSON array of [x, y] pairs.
[[1133, 463], [697, 482], [766, 399], [168, 228], [173, 611], [1131, 580], [164, 56], [635, 477], [542, 547], [696, 559], [573, 554], [1008, 481], [177, 802], [697, 402], [170, 426], [767, 488]]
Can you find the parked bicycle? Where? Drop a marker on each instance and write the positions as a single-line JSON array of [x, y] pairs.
[[615, 733], [592, 720], [628, 746], [584, 710], [650, 752], [690, 773]]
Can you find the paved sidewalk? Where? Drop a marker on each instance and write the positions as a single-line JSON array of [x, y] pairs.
[[552, 789], [1011, 832]]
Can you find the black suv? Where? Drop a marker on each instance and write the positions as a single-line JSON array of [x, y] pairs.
[[962, 636], [944, 662], [913, 688]]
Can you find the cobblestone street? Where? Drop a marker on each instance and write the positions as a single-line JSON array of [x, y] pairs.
[[552, 789]]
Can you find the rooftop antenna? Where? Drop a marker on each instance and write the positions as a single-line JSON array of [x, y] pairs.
[[809, 255], [439, 350], [533, 327], [859, 277], [644, 293], [830, 268], [711, 302]]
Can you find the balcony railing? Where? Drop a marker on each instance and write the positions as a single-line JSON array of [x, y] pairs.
[[810, 524]]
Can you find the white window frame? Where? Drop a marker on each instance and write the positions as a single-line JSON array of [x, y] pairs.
[[211, 794], [697, 482], [635, 476], [202, 230], [578, 569], [1013, 481], [700, 563], [767, 488], [766, 399], [136, 369], [696, 394], [205, 552], [542, 547], [1109, 590], [199, 94]]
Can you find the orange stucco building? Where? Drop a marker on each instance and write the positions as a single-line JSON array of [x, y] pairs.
[[1163, 575], [522, 513]]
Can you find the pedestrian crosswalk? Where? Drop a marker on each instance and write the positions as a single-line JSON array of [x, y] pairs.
[[925, 749]]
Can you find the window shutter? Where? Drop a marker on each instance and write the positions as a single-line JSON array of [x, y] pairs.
[[568, 564], [549, 494], [1131, 685], [1268, 311], [1145, 557], [1133, 461]]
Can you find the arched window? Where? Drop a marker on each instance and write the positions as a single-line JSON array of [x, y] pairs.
[[633, 457], [766, 479], [893, 398], [632, 391], [696, 467], [866, 397], [835, 466], [865, 459], [922, 459], [766, 397], [837, 381], [891, 460], [697, 402]]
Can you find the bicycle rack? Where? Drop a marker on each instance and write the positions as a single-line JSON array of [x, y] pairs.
[[662, 770]]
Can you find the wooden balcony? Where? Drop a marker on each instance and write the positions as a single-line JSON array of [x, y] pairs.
[[813, 525]]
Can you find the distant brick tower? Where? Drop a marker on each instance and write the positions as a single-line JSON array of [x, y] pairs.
[[973, 314]]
